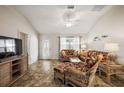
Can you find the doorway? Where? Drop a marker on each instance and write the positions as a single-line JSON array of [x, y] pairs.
[[25, 44]]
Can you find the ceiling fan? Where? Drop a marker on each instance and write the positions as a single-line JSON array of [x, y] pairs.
[[70, 16]]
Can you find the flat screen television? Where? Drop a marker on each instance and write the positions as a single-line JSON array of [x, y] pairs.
[[10, 47]]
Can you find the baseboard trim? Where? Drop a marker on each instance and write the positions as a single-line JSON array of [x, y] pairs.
[[49, 59]]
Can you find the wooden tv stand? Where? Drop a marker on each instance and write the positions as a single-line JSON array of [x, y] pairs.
[[11, 69]]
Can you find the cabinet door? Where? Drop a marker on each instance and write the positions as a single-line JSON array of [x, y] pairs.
[[5, 74], [24, 65]]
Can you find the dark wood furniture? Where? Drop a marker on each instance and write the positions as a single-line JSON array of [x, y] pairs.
[[11, 69]]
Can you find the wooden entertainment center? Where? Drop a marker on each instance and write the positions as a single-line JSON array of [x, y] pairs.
[[11, 69]]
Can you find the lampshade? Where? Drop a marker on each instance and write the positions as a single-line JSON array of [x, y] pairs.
[[111, 47]]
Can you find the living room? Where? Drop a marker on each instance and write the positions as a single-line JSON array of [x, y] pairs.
[[48, 32]]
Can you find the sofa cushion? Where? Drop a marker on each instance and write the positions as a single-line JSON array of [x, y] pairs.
[[63, 66], [90, 63], [63, 53], [75, 72], [83, 53]]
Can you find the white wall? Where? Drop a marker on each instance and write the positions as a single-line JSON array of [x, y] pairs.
[[54, 43], [111, 24], [12, 22]]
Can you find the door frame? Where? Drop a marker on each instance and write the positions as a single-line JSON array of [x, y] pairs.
[[27, 43]]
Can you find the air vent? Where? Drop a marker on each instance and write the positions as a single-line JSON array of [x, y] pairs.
[[104, 36], [70, 6], [98, 7]]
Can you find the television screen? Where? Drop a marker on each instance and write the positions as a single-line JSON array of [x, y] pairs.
[[10, 47]]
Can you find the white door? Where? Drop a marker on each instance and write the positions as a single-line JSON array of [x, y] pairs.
[[46, 49]]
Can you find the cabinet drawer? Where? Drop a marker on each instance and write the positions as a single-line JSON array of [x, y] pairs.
[[5, 70], [3, 75], [4, 81]]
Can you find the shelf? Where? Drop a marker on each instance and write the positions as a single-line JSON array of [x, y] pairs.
[[16, 64], [16, 70], [16, 75], [16, 61]]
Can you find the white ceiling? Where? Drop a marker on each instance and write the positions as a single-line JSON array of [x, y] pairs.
[[49, 18]]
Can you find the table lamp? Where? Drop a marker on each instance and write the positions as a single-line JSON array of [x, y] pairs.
[[112, 48]]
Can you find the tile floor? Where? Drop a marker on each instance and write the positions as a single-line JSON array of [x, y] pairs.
[[41, 75]]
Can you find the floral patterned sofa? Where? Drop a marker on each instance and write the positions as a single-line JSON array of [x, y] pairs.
[[81, 77], [59, 70], [109, 65], [92, 54], [65, 55], [77, 74]]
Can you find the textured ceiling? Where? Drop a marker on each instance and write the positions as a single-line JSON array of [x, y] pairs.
[[49, 18]]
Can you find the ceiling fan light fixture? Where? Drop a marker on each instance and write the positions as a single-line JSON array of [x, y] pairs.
[[69, 24], [69, 16]]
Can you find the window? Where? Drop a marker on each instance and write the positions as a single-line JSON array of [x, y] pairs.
[[70, 43]]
